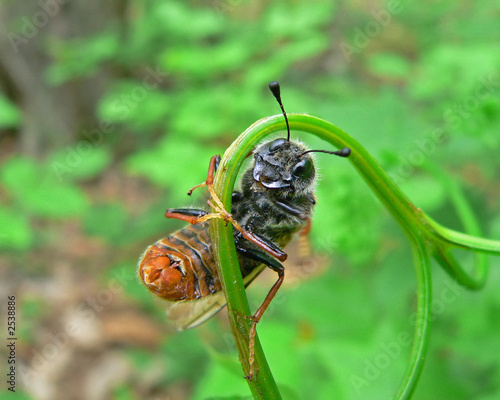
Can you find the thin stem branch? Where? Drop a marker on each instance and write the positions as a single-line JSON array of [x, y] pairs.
[[422, 321]]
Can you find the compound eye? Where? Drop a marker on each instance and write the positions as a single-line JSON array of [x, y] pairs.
[[275, 145], [303, 169]]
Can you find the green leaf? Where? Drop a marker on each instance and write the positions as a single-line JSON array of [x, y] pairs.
[[138, 103], [224, 57], [89, 165], [447, 70], [424, 191], [219, 382], [9, 114], [19, 173], [16, 232], [284, 20], [106, 220], [122, 392], [38, 191], [189, 365], [355, 218], [125, 275], [78, 57], [49, 199], [389, 65], [175, 163]]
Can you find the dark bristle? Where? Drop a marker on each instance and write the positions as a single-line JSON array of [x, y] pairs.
[[275, 90]]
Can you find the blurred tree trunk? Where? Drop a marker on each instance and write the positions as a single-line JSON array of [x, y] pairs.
[[52, 116]]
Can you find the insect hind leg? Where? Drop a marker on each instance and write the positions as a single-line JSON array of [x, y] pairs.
[[256, 318], [275, 265]]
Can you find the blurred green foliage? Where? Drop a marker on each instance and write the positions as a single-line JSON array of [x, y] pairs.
[[9, 114], [189, 77]]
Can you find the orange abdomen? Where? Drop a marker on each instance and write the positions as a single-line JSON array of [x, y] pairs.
[[180, 266]]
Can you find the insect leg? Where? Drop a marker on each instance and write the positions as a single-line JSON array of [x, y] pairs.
[[262, 242], [297, 209], [258, 315], [289, 208], [185, 214], [189, 212], [212, 167], [203, 215], [257, 254], [193, 216], [304, 242], [275, 265]]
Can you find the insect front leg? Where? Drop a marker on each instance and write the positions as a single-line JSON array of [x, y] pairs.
[[196, 216], [212, 167], [265, 244]]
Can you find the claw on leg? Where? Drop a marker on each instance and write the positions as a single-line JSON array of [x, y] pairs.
[[190, 191]]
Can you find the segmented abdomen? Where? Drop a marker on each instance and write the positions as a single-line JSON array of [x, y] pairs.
[[180, 266]]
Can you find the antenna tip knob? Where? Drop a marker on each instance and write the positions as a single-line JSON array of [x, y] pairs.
[[345, 152], [275, 88]]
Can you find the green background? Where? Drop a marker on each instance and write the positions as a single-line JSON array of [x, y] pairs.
[[110, 112]]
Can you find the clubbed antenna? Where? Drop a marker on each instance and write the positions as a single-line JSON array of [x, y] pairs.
[[345, 152], [275, 89]]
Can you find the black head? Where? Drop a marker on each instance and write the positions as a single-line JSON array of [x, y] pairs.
[[283, 164]]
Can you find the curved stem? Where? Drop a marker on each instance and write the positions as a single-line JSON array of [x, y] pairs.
[[426, 236], [445, 240], [446, 259], [422, 321], [263, 385], [464, 241]]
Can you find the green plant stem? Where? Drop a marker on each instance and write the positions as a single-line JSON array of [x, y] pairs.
[[422, 321], [426, 236]]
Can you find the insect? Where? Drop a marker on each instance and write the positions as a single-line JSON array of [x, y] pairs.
[[276, 201]]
